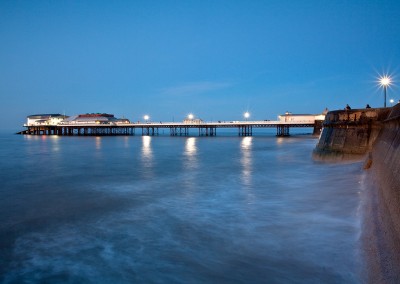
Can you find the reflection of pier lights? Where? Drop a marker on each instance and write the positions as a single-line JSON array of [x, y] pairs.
[[146, 147], [190, 146], [98, 143], [246, 160], [246, 143]]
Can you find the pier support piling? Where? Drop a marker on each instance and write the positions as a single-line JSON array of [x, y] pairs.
[[282, 130], [246, 130]]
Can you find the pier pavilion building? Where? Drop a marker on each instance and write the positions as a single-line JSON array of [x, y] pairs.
[[44, 119], [94, 118]]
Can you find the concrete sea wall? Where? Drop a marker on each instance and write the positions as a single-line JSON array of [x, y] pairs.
[[349, 134], [372, 135], [382, 217]]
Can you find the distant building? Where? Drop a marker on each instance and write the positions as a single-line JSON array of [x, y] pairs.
[[301, 118], [192, 121], [44, 119]]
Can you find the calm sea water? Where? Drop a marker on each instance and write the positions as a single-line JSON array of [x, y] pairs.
[[176, 210]]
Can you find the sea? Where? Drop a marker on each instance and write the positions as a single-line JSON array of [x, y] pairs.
[[162, 209]]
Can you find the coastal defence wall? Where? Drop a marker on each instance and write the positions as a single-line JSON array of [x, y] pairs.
[[349, 134], [382, 220], [372, 136]]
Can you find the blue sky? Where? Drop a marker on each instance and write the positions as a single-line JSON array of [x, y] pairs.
[[216, 59]]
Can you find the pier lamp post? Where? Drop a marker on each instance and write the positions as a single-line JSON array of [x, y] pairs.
[[246, 115], [391, 102], [146, 118], [190, 116], [385, 82]]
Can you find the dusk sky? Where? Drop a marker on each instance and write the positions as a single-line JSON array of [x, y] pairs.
[[215, 59]]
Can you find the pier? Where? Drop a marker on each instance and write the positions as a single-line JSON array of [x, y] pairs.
[[244, 128]]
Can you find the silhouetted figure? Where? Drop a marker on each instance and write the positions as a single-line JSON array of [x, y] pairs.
[[347, 107], [367, 106]]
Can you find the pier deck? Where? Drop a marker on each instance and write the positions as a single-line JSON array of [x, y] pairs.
[[245, 128]]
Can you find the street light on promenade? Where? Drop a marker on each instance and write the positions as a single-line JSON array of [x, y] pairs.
[[146, 118], [385, 81], [246, 115], [391, 102], [190, 116]]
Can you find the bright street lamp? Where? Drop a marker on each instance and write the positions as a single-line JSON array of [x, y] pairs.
[[190, 116], [246, 115], [391, 101], [146, 117], [384, 81]]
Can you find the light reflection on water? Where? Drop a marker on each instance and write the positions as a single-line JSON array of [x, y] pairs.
[[98, 142], [246, 160], [147, 153], [126, 141], [147, 157], [55, 143], [190, 153], [176, 210], [191, 146]]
